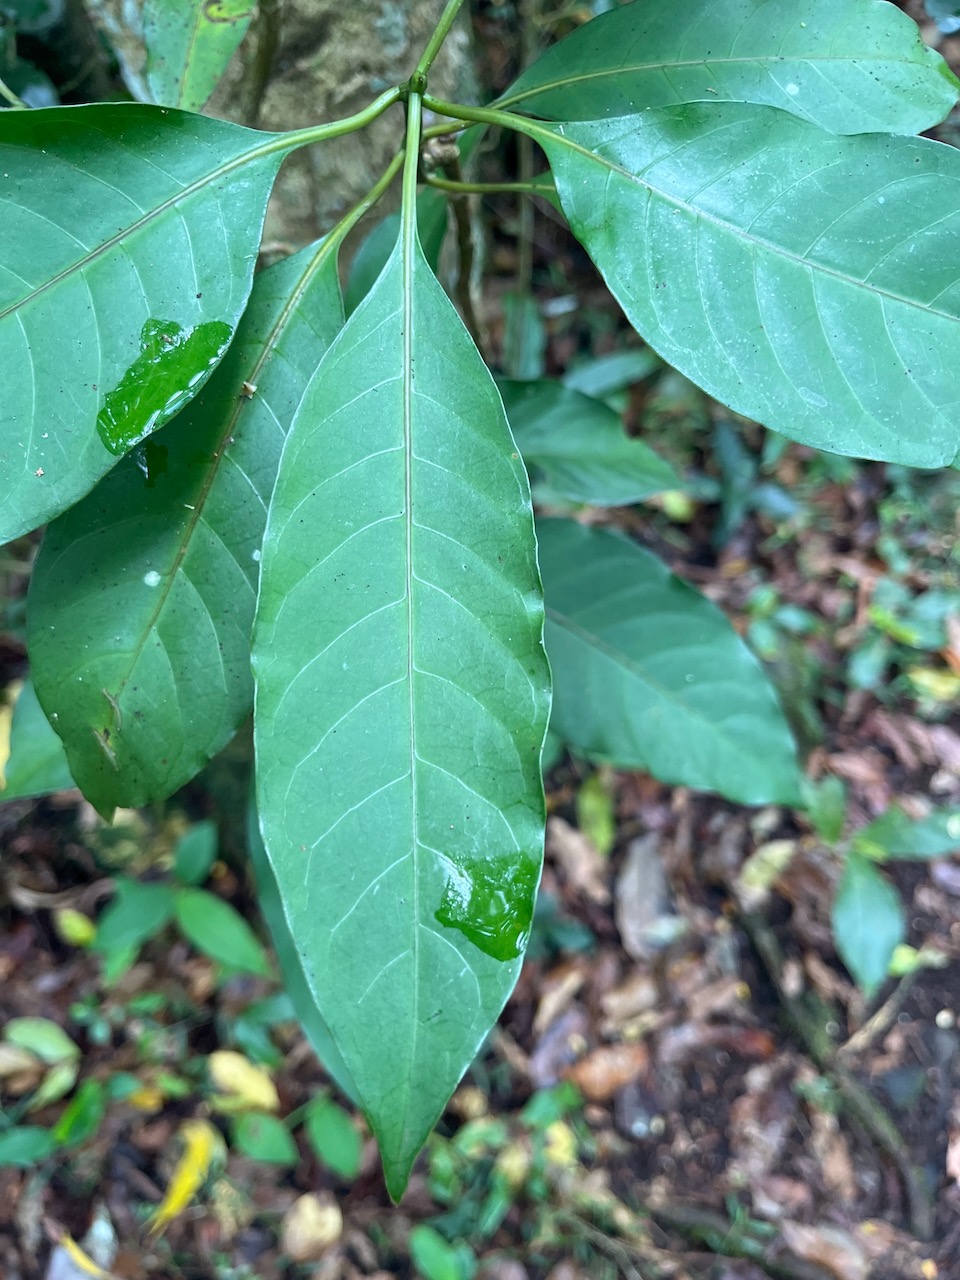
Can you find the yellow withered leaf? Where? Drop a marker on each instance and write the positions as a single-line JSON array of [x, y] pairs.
[[247, 1088], [82, 1262], [201, 1142]]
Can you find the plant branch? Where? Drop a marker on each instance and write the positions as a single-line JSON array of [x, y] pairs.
[[418, 81], [335, 128], [7, 93], [268, 40], [532, 188], [859, 1104]]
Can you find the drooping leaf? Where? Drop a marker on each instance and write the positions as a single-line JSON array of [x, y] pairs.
[[868, 921], [189, 43], [219, 931], [648, 674], [895, 835], [291, 963], [401, 700], [860, 66], [142, 597], [576, 448], [130, 234], [37, 765], [807, 281]]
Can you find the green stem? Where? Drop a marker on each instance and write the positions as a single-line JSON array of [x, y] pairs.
[[483, 115], [350, 220], [335, 128], [17, 103], [418, 81], [490, 188]]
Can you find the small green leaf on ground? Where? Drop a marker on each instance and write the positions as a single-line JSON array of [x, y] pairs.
[[868, 922], [334, 1137], [264, 1137], [216, 929], [26, 1145]]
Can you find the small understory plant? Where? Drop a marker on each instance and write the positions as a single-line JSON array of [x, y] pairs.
[[253, 502]]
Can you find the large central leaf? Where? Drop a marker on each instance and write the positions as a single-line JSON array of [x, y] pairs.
[[401, 700], [129, 239], [807, 281], [850, 66]]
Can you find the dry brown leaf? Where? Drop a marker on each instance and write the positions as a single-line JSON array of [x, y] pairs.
[[829, 1247], [638, 994], [557, 991], [606, 1070], [311, 1225], [641, 897], [584, 869]]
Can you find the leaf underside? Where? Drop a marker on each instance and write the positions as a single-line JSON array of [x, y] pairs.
[[648, 674], [142, 597], [856, 67], [401, 703], [809, 282], [130, 235]]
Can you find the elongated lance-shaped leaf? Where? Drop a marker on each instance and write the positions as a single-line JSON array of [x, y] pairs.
[[130, 235], [650, 675], [189, 43], [401, 700], [850, 66], [807, 281], [142, 597]]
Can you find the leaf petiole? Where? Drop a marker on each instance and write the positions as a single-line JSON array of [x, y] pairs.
[[491, 188]]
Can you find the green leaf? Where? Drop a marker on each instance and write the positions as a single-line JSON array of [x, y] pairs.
[[189, 43], [82, 1116], [576, 449], [142, 597], [856, 67], [290, 961], [375, 250], [826, 805], [216, 929], [601, 376], [264, 1137], [401, 702], [138, 912], [130, 235], [49, 1042], [37, 765], [868, 922], [25, 1145], [434, 1258], [807, 281], [195, 853], [895, 835], [650, 675], [334, 1137]]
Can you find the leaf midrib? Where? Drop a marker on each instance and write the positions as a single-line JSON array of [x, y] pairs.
[[605, 73], [552, 135]]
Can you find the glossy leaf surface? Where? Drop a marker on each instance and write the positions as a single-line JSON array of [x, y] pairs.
[[576, 448], [854, 67], [189, 43], [807, 281], [648, 674], [868, 922], [402, 700], [130, 235], [142, 598]]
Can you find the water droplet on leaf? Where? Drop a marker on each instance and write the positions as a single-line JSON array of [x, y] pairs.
[[490, 901]]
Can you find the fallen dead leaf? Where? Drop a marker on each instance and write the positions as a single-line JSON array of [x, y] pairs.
[[583, 867], [606, 1070], [311, 1225], [638, 994], [829, 1247], [641, 897], [245, 1087], [557, 990]]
